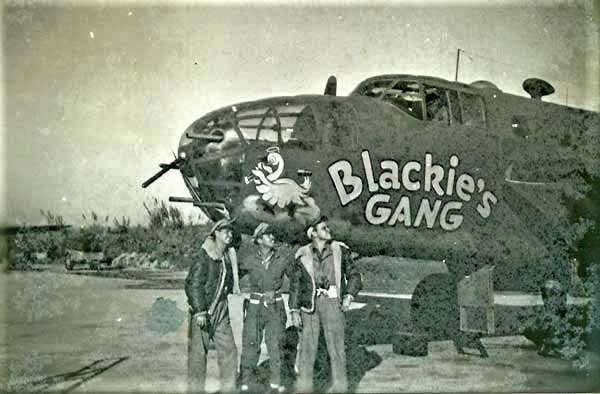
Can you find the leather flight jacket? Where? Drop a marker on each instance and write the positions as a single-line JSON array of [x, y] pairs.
[[304, 287], [209, 280]]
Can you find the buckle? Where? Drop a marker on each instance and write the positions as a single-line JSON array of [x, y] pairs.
[[331, 292], [268, 298], [322, 292]]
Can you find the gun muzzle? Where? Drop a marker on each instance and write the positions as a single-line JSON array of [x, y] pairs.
[[164, 168]]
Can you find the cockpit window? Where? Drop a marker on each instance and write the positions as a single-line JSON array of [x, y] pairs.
[[473, 113], [450, 106], [406, 96], [213, 149], [437, 103], [374, 89], [269, 123], [402, 94], [216, 137]]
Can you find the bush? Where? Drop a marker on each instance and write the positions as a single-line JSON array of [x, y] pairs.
[[86, 240], [52, 219], [167, 242], [161, 215], [25, 247]]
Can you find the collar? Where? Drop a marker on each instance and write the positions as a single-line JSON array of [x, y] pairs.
[[326, 249], [210, 247], [275, 253]]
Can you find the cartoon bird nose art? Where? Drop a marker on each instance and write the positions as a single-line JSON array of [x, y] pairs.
[[284, 197]]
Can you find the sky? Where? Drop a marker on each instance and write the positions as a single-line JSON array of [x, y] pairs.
[[96, 95]]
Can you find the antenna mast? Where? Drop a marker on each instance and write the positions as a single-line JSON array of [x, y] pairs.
[[457, 63]]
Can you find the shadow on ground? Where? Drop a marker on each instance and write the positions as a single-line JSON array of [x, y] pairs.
[[69, 381], [359, 361]]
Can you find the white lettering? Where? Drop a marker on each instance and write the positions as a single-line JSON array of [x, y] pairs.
[[366, 158], [381, 213], [347, 179], [433, 175], [414, 176], [453, 221], [402, 212], [451, 174], [389, 176], [426, 212], [465, 183], [406, 170], [485, 209]]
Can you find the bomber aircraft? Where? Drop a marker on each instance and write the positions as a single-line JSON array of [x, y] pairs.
[[499, 187]]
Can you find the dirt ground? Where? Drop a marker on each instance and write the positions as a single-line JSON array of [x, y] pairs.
[[81, 333]]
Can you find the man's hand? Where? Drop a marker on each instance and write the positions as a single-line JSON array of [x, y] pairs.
[[347, 302], [200, 319], [296, 319]]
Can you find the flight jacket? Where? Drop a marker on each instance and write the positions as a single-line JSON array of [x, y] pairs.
[[303, 289], [275, 278], [210, 278]]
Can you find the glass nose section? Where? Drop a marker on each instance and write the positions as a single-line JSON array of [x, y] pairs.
[[213, 156], [213, 148]]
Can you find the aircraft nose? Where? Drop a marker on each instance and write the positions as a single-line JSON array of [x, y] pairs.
[[213, 165]]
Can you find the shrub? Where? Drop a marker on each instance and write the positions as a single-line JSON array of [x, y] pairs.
[[161, 215], [23, 248], [86, 240], [167, 242], [52, 219], [121, 226]]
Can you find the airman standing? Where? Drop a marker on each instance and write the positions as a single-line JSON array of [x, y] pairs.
[[323, 285], [265, 310], [211, 278]]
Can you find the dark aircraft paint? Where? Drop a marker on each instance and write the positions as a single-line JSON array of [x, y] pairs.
[[405, 166], [436, 180]]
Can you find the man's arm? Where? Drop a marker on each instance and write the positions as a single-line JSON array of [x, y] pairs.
[[195, 283], [287, 273], [293, 273], [244, 258], [353, 276]]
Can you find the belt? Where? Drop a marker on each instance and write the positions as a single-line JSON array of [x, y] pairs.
[[257, 298], [329, 293]]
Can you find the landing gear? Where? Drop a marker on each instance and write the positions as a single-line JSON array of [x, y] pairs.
[[435, 316]]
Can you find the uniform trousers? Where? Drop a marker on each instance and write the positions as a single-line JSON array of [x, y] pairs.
[[198, 340], [328, 313], [271, 320]]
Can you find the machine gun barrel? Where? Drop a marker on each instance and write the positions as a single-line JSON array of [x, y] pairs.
[[164, 168], [181, 199], [206, 137], [189, 200]]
